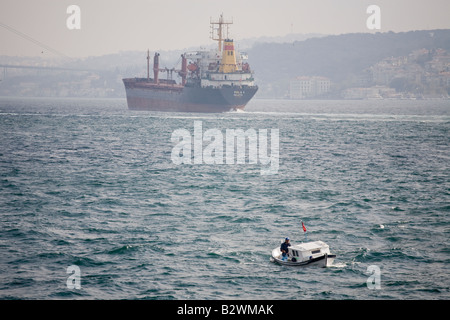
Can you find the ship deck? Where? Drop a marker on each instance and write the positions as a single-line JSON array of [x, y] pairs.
[[145, 83]]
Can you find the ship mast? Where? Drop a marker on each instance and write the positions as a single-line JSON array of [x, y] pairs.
[[219, 36], [148, 65]]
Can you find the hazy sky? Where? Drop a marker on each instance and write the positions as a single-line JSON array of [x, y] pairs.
[[110, 26]]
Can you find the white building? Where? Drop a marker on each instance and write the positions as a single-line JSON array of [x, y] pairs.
[[309, 87]]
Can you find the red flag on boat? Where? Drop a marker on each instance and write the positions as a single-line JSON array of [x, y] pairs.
[[303, 226]]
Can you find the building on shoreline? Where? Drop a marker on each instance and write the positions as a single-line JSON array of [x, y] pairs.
[[309, 87]]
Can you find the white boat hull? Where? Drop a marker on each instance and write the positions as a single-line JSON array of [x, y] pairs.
[[322, 261]]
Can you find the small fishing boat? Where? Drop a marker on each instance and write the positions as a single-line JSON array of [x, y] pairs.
[[315, 253]]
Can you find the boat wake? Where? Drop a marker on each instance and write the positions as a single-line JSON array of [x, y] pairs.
[[338, 265], [236, 111]]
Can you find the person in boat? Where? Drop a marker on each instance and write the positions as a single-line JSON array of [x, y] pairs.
[[285, 249]]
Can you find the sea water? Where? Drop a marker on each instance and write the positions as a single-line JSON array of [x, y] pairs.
[[93, 207]]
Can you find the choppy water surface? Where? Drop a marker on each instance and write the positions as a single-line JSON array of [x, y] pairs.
[[92, 184]]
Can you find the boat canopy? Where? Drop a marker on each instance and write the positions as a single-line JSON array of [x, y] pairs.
[[305, 250]]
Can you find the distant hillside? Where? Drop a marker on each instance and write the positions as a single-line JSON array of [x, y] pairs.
[[245, 44], [336, 57], [129, 60], [340, 58]]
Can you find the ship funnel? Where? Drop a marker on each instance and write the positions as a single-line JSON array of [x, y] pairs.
[[228, 63]]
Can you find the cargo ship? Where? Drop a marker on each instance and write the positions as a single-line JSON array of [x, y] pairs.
[[217, 80]]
